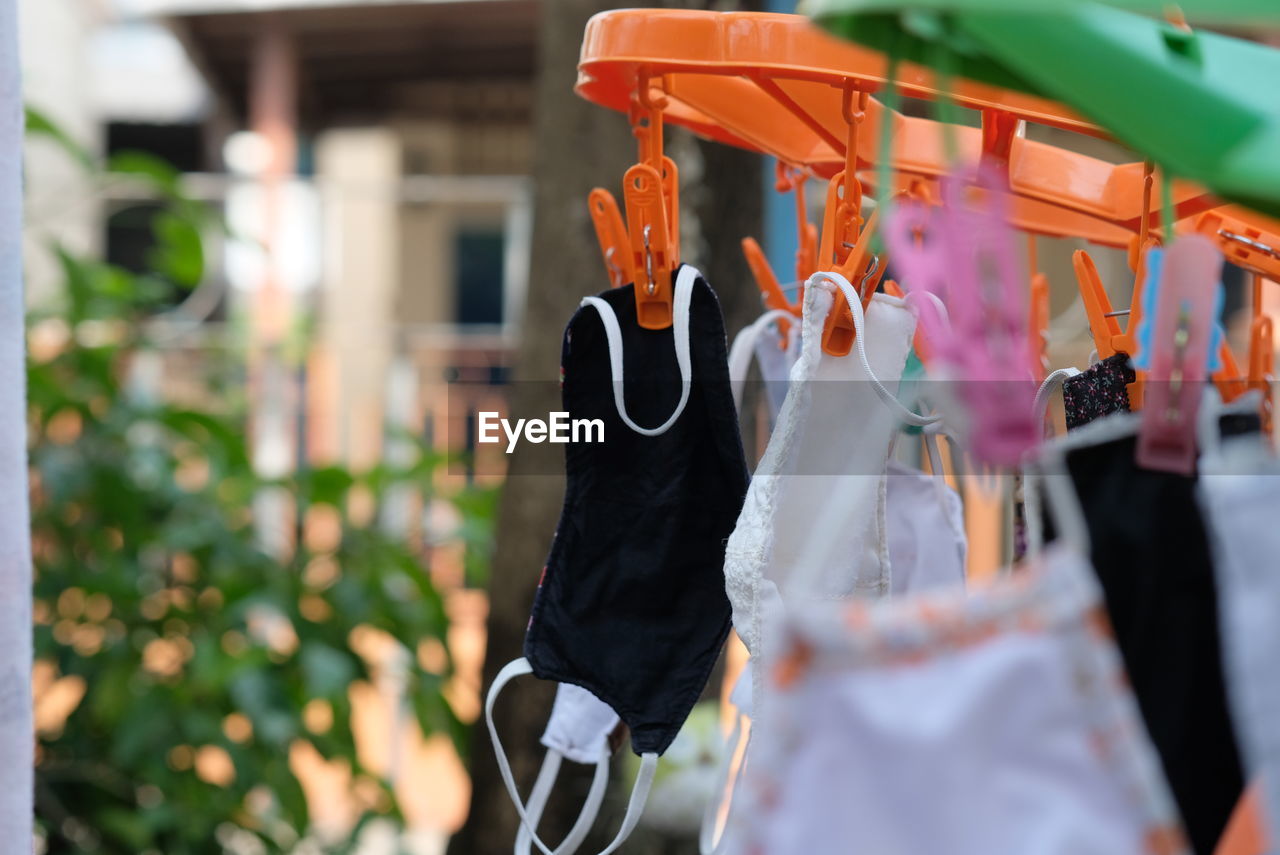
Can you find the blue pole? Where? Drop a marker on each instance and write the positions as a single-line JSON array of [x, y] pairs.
[[780, 241]]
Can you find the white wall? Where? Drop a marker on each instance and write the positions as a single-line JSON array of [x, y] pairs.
[[60, 202]]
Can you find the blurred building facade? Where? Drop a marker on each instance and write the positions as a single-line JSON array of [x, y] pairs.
[[371, 160]]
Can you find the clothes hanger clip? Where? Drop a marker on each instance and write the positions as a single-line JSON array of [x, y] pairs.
[[1176, 350], [771, 292], [611, 234], [793, 179], [788, 179], [1038, 313], [846, 240], [648, 190], [1104, 324], [964, 255], [1230, 380], [1097, 306], [1261, 364], [1243, 243], [650, 246], [1038, 325]]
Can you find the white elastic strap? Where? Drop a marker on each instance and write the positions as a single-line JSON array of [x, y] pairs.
[[635, 807], [744, 347], [680, 332], [542, 791], [1051, 384], [1062, 500], [708, 842], [538, 798], [859, 326], [914, 297], [1031, 511], [639, 793]]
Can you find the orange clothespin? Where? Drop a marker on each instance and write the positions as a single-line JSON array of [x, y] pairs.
[[1097, 306], [788, 179], [1038, 308], [770, 289], [1261, 354], [1108, 338], [1230, 380], [652, 209], [1039, 325], [1107, 335], [1240, 236], [846, 241], [611, 234], [1261, 362], [793, 179]]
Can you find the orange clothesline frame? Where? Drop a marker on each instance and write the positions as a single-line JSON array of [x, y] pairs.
[[773, 83]]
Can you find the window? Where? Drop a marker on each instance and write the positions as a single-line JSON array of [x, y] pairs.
[[479, 282]]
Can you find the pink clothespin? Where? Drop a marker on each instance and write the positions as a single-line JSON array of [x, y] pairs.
[[1180, 341], [963, 253]]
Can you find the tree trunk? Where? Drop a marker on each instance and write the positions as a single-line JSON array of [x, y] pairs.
[[578, 146]]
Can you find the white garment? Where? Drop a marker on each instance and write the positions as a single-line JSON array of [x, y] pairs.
[[635, 806], [580, 724], [927, 542], [710, 842], [774, 357], [952, 723], [813, 518], [579, 729], [1239, 491]]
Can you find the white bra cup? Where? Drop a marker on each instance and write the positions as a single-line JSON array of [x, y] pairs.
[[813, 522], [927, 543]]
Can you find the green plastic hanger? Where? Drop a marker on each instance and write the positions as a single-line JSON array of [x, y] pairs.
[[1203, 105]]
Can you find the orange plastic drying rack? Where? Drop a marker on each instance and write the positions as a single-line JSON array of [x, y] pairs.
[[773, 83]]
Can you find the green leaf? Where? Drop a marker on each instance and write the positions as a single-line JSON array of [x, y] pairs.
[[325, 670], [326, 485], [40, 125], [152, 170], [126, 826], [179, 253]]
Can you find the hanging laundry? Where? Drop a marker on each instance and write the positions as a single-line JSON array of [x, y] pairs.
[[773, 356], [631, 605], [962, 257], [1150, 549], [813, 519], [1239, 490], [582, 728], [925, 523], [710, 836], [968, 724], [1098, 391]]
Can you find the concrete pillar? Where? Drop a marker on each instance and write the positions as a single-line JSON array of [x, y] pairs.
[[359, 171], [16, 741]]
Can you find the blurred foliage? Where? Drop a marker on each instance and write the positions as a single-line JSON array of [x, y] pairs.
[[191, 663]]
